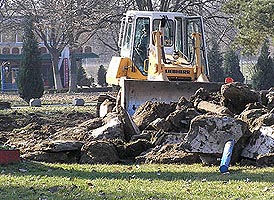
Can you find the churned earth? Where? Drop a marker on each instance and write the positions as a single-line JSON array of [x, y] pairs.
[[188, 131], [55, 114]]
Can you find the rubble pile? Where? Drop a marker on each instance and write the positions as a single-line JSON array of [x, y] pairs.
[[188, 131]]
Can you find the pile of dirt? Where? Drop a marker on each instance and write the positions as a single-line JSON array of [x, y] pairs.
[[17, 126], [188, 131]]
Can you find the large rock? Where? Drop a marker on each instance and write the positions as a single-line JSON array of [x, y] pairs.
[[251, 117], [113, 129], [106, 107], [61, 146], [203, 95], [162, 138], [35, 103], [92, 123], [167, 154], [261, 146], [57, 151], [183, 104], [82, 132], [160, 124], [116, 125], [235, 96], [75, 133], [200, 95], [206, 106], [53, 157], [101, 99], [96, 152], [135, 148], [130, 128], [146, 135], [149, 111], [180, 119], [209, 133], [270, 99]]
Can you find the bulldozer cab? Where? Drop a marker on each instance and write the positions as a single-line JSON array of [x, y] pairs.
[[135, 37], [162, 57]]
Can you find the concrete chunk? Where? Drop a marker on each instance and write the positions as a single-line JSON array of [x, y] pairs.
[[261, 146], [236, 96], [106, 107], [78, 102], [213, 108], [35, 102], [209, 133]]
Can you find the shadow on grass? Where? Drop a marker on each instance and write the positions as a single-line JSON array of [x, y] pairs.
[[128, 172]]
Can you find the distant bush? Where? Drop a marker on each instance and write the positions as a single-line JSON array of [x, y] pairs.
[[29, 81], [102, 76], [215, 62], [232, 66], [82, 79], [264, 70]]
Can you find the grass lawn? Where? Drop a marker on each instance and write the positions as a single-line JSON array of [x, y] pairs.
[[50, 99], [34, 180]]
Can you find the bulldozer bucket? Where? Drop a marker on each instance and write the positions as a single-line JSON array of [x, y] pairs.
[[136, 92]]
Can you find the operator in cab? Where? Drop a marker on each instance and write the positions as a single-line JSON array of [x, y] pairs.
[[143, 43]]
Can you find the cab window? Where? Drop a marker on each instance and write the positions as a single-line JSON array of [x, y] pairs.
[[194, 25], [179, 35], [122, 27], [168, 31], [141, 43], [128, 36]]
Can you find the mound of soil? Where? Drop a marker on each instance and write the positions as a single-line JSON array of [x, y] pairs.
[[18, 126]]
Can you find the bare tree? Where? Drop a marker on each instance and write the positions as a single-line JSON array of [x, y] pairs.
[[5, 15], [109, 36], [61, 23], [2, 2], [216, 22], [2, 6]]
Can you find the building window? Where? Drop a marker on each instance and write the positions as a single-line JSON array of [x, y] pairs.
[[9, 37], [79, 50], [19, 36], [6, 50], [14, 74], [15, 50], [43, 50], [87, 49]]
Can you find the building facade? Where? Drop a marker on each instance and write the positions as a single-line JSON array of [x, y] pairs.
[[11, 44]]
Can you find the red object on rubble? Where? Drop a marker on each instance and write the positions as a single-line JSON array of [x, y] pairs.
[[229, 80], [9, 156]]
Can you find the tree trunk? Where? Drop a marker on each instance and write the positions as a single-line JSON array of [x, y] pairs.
[[56, 73], [73, 74], [149, 5]]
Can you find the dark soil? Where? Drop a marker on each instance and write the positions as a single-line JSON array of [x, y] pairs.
[[15, 124], [21, 122]]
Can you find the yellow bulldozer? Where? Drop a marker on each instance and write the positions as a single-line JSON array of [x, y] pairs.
[[163, 57]]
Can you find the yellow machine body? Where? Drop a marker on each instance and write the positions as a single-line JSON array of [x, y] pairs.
[[163, 57]]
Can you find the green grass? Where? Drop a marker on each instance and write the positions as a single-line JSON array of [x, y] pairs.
[[33, 180], [50, 99], [49, 109]]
